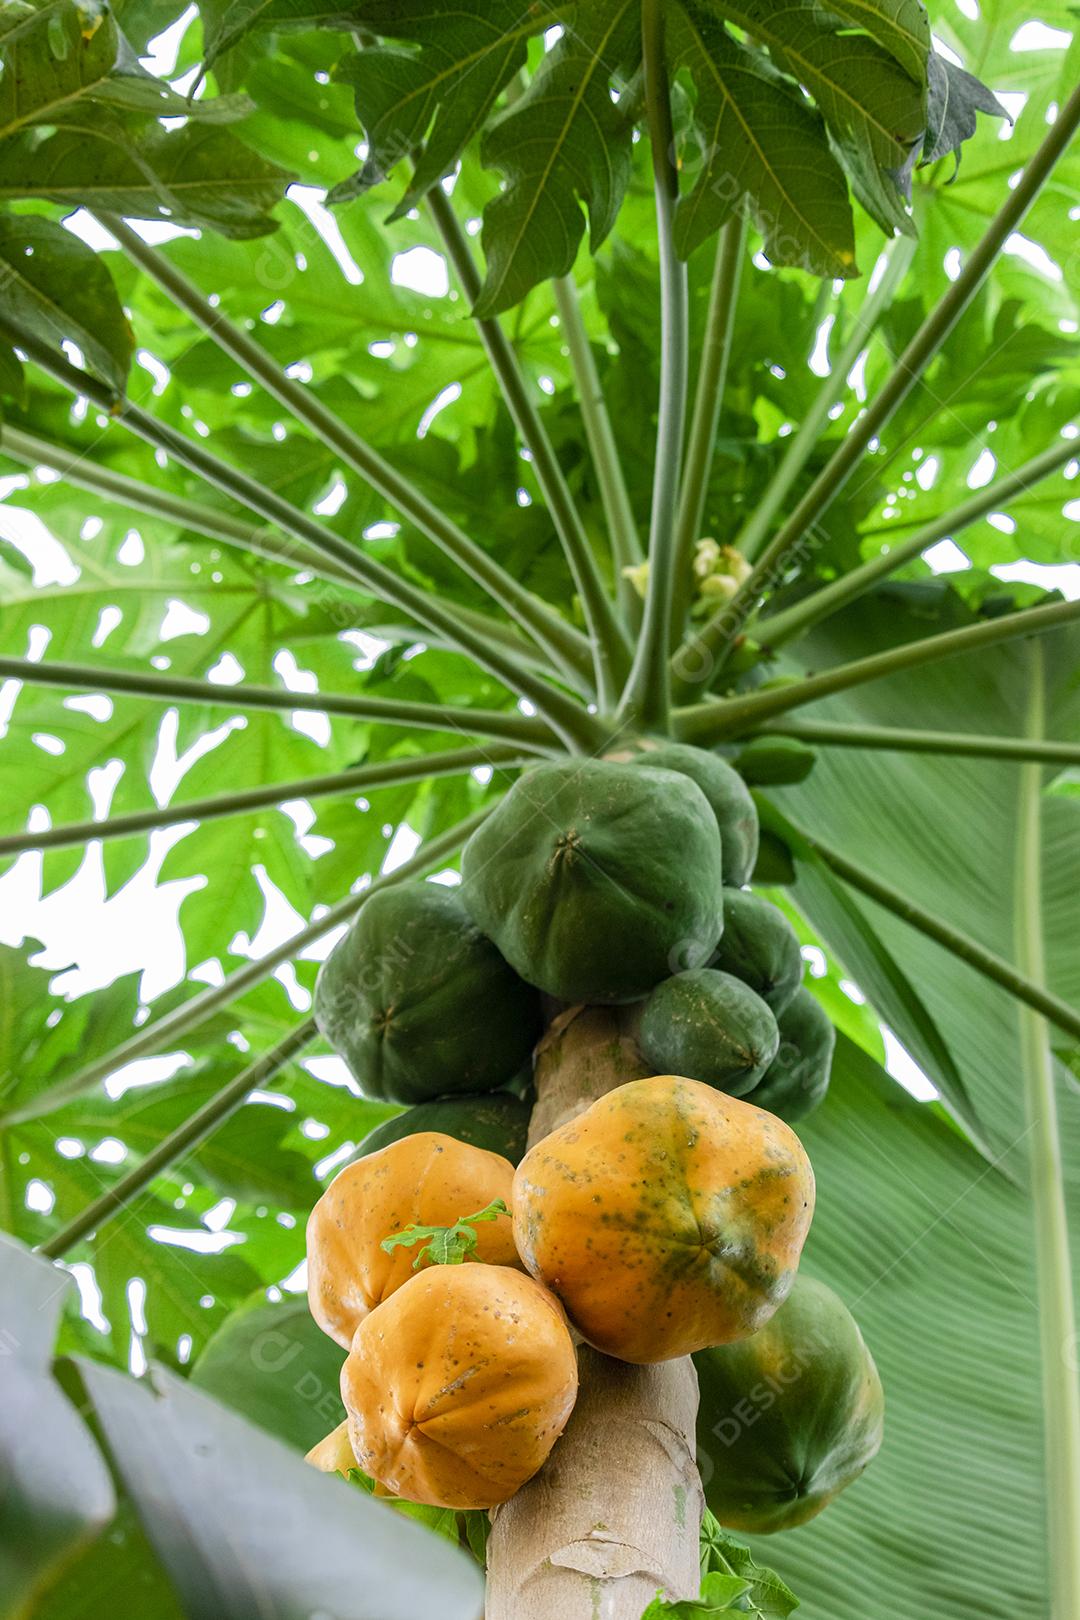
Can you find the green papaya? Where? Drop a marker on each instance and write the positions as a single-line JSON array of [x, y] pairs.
[[734, 809], [709, 1026], [760, 947], [775, 761], [596, 880], [419, 1003], [798, 1077], [788, 1417], [496, 1120]]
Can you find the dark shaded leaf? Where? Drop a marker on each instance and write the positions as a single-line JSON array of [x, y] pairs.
[[761, 148], [439, 95], [56, 1487], [193, 176], [270, 1362], [55, 285], [562, 145], [245, 1527]]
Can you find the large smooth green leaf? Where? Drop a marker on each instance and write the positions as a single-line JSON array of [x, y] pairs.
[[944, 831], [931, 1250], [56, 1489], [245, 1527]]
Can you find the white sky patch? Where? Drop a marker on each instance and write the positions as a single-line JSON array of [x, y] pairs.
[[218, 1218], [182, 620], [90, 1303], [403, 846], [903, 1068], [927, 472], [819, 358], [147, 1071], [333, 499], [197, 1242], [162, 51], [447, 397], [1063, 577], [1039, 36], [983, 470], [311, 200], [39, 1197], [946, 558], [1022, 247], [131, 551], [47, 557], [421, 270]]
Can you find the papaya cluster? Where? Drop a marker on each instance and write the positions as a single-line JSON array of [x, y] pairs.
[[667, 1219]]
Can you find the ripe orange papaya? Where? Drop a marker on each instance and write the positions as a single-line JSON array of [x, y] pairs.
[[423, 1180], [666, 1217], [458, 1386]]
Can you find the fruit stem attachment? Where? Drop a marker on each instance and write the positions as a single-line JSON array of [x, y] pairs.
[[647, 695], [1053, 1268], [445, 1245]]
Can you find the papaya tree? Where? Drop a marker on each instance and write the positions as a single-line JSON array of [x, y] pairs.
[[632, 444]]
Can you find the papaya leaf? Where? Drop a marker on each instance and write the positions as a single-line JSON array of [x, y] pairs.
[[562, 144], [901, 26], [226, 24], [445, 1245], [720, 1593], [50, 1511], [62, 290], [874, 109], [435, 93], [762, 148], [767, 1595], [52, 59], [955, 96], [196, 175]]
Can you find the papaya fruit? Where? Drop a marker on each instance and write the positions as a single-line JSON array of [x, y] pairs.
[[667, 1217], [709, 1026], [775, 761], [727, 793], [495, 1120], [424, 1180], [419, 1003], [596, 880], [760, 947], [789, 1417], [798, 1077], [458, 1387]]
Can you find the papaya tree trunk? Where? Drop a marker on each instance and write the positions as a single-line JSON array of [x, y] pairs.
[[614, 1515]]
